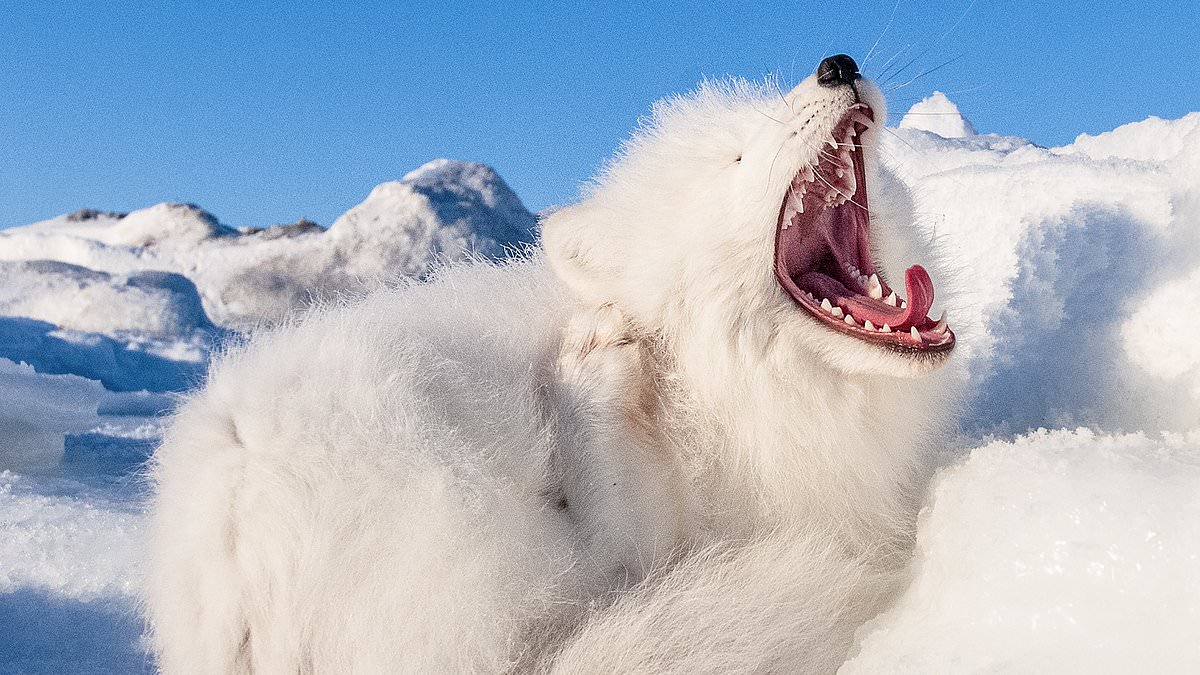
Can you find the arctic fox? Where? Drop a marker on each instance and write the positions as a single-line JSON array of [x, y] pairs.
[[687, 436]]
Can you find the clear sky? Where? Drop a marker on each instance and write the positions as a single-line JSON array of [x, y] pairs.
[[266, 112]]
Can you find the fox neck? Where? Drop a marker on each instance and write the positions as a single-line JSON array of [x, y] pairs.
[[790, 440]]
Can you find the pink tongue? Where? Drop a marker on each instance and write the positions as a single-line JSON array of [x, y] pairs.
[[918, 288]]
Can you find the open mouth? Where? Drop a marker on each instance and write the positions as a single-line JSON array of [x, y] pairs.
[[823, 253]]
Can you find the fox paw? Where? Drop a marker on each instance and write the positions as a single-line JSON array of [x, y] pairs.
[[598, 348]]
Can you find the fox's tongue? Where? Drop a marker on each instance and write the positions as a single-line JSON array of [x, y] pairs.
[[919, 289], [917, 285]]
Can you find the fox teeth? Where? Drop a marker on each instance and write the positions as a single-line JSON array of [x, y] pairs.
[[891, 299], [837, 311], [826, 306], [941, 326], [885, 328], [916, 334], [850, 320], [795, 202], [868, 325], [874, 288]]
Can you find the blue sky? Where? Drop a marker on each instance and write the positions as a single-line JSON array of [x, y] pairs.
[[267, 112]]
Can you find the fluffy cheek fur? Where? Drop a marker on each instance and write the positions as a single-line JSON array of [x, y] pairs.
[[680, 233]]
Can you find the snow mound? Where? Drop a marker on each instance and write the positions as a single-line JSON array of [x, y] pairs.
[[1141, 141], [1062, 551], [1172, 353], [939, 115], [159, 304], [444, 211], [441, 211], [166, 223], [36, 413], [1059, 253]]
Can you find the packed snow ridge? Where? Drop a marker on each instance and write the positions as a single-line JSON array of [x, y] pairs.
[[1070, 550], [444, 211]]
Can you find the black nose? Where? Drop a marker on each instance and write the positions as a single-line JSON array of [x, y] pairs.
[[837, 69]]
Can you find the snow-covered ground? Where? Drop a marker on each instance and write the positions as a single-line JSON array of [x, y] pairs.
[[444, 210], [1072, 549]]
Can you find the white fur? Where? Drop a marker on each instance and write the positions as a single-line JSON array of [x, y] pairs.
[[660, 465]]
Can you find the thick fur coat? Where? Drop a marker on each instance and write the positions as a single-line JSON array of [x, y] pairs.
[[630, 452]]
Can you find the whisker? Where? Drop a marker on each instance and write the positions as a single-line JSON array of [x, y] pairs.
[[935, 42], [906, 99], [771, 169], [892, 61], [782, 97], [923, 156], [767, 116], [867, 59], [919, 76], [816, 173]]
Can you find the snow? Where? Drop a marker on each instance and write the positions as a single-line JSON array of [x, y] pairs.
[[1062, 551], [939, 115], [1061, 535], [37, 411], [445, 210], [1062, 252], [158, 304]]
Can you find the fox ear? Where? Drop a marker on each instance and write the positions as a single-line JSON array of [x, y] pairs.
[[584, 251]]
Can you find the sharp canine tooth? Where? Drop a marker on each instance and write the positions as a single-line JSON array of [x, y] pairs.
[[903, 304], [885, 328], [941, 324], [795, 202], [891, 299], [850, 320], [916, 334], [874, 288], [826, 306], [837, 311], [868, 325]]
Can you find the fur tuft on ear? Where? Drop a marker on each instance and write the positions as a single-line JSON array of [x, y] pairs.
[[584, 250]]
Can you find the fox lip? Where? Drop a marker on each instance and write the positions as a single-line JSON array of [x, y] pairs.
[[823, 255]]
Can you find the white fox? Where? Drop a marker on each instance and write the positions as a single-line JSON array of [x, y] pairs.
[[689, 436]]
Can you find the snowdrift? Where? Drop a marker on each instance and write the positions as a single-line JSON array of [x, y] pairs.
[[1058, 552], [1071, 549], [1075, 264]]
